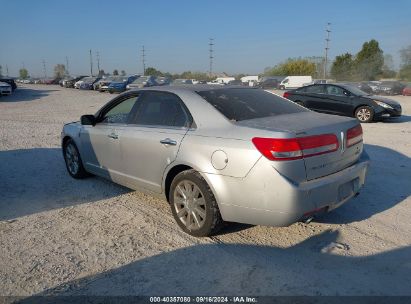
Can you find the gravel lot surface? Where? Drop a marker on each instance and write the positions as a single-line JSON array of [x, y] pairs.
[[91, 237]]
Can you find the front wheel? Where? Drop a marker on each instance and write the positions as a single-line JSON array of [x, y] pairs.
[[73, 161], [364, 114], [193, 205], [282, 87]]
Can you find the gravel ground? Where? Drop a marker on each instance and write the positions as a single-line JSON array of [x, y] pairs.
[[63, 236]]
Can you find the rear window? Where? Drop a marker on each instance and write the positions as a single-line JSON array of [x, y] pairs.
[[239, 104]]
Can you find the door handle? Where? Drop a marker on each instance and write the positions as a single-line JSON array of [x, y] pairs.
[[169, 142], [113, 135]]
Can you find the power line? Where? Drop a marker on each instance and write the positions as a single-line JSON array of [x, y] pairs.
[[91, 64], [211, 57], [143, 59], [327, 41]]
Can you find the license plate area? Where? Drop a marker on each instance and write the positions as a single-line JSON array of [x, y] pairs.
[[348, 189]]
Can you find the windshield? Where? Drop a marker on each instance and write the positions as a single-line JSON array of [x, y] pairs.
[[239, 104]]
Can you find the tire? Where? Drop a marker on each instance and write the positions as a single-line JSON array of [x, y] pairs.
[[282, 87], [364, 114], [201, 210], [74, 164]]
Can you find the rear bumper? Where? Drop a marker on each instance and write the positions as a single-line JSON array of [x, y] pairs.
[[265, 197]]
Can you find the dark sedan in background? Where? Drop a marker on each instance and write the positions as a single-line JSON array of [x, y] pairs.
[[88, 83], [346, 100], [69, 83]]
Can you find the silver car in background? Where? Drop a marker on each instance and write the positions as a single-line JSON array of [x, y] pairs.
[[221, 154]]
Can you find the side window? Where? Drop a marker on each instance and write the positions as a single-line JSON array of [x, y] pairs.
[[333, 90], [316, 89], [119, 113], [160, 109]]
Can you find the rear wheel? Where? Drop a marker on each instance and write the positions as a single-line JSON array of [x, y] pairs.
[[364, 114], [193, 205], [73, 161]]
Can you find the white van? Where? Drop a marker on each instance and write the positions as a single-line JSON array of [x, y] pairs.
[[294, 82]]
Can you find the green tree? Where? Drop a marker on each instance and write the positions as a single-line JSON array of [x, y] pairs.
[[369, 61], [23, 73], [123, 73], [153, 72], [293, 67], [59, 70], [115, 72], [342, 66]]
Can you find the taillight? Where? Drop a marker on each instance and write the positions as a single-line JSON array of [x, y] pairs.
[[296, 148], [354, 136], [286, 94]]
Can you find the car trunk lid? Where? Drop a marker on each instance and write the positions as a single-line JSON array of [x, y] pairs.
[[309, 125]]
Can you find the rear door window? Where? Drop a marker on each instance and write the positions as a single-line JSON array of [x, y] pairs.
[[239, 104], [160, 109], [315, 89]]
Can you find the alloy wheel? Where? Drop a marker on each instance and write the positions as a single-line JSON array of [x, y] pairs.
[[364, 114], [190, 205], [72, 159]]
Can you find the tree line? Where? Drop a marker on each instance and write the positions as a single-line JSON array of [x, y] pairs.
[[369, 63]]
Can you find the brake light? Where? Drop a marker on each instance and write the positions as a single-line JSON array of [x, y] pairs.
[[286, 94], [295, 148], [354, 136]]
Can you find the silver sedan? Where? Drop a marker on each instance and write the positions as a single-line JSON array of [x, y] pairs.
[[221, 154]]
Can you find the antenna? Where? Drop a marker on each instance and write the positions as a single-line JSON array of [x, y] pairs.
[[327, 41], [211, 57]]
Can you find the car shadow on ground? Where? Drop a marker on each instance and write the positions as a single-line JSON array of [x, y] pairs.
[[402, 119], [313, 267], [36, 180], [388, 183], [26, 94]]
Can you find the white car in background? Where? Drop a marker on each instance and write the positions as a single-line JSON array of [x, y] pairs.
[[78, 83], [5, 88]]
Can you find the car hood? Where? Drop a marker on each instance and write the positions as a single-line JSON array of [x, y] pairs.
[[383, 99]]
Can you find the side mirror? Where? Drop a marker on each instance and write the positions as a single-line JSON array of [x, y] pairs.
[[88, 120], [348, 94]]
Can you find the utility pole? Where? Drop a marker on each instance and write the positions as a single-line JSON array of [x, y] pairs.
[[44, 69], [7, 70], [91, 64], [211, 57], [327, 41], [143, 58], [67, 66], [98, 62]]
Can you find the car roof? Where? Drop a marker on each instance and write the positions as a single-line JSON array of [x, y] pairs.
[[191, 88]]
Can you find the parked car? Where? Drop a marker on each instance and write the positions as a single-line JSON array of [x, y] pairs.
[[235, 82], [5, 88], [221, 154], [342, 99], [70, 83], [390, 88], [120, 85], [407, 90], [269, 83], [293, 82], [142, 82], [103, 83], [181, 81], [163, 81], [11, 82], [88, 83]]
